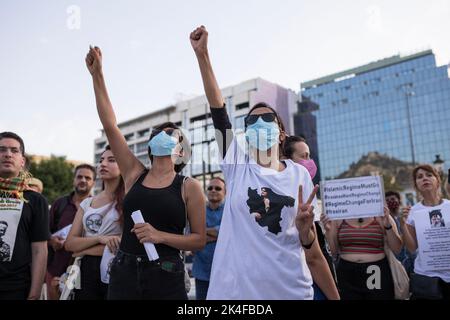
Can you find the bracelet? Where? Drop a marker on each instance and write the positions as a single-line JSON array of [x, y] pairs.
[[388, 228], [308, 246]]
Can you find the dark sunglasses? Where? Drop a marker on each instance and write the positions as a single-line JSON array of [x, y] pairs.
[[215, 188], [170, 132], [252, 118]]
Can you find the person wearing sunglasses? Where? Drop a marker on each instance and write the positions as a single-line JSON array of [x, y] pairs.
[[259, 261], [166, 199], [201, 267]]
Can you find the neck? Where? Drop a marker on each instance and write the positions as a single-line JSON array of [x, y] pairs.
[[111, 185], [9, 175], [78, 197], [267, 159], [431, 199], [214, 205], [162, 166], [394, 214]]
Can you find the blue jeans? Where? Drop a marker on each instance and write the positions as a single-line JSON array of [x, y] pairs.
[[134, 277], [201, 289]]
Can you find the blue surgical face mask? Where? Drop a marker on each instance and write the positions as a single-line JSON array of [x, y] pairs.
[[262, 135], [162, 144]]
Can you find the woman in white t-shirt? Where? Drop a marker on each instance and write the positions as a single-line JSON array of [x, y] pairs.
[[428, 183], [267, 222], [98, 223]]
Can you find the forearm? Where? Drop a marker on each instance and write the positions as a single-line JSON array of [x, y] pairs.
[[38, 269], [212, 90], [212, 232], [321, 272], [394, 241], [307, 237], [190, 242], [78, 244], [408, 239], [96, 250], [104, 106]]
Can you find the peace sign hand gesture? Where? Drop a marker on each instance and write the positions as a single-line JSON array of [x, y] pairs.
[[305, 215]]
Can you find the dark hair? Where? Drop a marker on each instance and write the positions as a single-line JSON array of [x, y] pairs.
[[86, 166], [280, 122], [393, 193], [119, 193], [184, 144], [289, 143], [217, 178], [427, 168], [4, 222], [12, 135]]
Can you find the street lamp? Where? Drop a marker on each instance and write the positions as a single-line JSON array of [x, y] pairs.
[[408, 116], [438, 164]]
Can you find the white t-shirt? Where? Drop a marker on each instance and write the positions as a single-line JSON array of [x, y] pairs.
[[419, 266], [103, 221], [258, 253]]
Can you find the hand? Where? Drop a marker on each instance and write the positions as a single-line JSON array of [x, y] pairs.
[[257, 215], [404, 215], [305, 215], [146, 233], [56, 242], [199, 40], [326, 222], [386, 220], [94, 60], [113, 244]]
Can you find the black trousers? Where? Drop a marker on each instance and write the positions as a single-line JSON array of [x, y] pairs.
[[134, 277], [358, 281], [92, 287]]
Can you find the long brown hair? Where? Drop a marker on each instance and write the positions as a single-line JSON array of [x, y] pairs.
[[119, 193]]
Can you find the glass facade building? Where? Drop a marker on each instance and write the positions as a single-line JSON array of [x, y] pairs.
[[399, 106]]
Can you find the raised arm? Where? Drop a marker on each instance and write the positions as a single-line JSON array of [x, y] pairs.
[[222, 124], [199, 42], [130, 166]]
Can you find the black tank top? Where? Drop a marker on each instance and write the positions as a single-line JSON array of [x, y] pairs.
[[163, 208]]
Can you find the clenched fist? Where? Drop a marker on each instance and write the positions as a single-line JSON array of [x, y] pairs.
[[199, 40], [94, 60]]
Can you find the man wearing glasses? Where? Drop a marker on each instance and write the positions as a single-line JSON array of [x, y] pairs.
[[201, 268]]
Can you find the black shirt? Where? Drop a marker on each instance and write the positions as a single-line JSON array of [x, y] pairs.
[[33, 227], [163, 208]]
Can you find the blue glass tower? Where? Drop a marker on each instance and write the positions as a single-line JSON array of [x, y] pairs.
[[399, 106]]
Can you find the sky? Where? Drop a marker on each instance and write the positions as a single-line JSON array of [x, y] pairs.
[[46, 93]]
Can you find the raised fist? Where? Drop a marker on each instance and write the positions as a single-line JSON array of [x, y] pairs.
[[94, 60], [199, 40]]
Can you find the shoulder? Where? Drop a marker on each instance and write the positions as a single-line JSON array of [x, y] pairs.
[[34, 198], [85, 204], [62, 200]]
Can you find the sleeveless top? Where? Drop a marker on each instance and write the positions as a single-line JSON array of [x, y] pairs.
[[163, 208], [368, 239]]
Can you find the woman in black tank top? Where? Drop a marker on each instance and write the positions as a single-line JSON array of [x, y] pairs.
[[165, 199]]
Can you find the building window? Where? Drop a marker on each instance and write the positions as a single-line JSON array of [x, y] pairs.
[[101, 145], [141, 147], [144, 133], [241, 106], [129, 136]]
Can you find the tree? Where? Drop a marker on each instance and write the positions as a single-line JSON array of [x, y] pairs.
[[56, 174]]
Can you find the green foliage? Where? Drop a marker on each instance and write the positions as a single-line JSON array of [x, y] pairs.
[[56, 175]]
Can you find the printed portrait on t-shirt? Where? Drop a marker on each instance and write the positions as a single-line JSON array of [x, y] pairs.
[[10, 213], [266, 207], [436, 220], [94, 222]]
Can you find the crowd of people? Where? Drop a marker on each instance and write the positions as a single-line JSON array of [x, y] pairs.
[[254, 236]]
